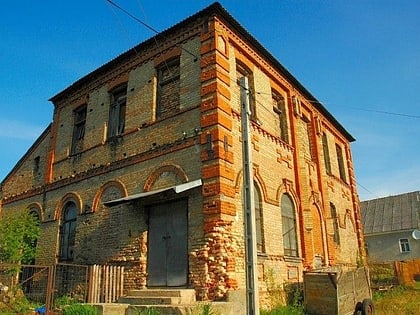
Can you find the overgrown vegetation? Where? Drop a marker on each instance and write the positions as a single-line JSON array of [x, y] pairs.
[[204, 309], [80, 309], [282, 299], [200, 309], [15, 302], [398, 300], [18, 234], [148, 311], [382, 275]]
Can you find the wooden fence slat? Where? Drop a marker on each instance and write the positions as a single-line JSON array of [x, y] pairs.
[[406, 271], [106, 283]]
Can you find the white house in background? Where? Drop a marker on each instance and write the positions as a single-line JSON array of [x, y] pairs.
[[391, 227]]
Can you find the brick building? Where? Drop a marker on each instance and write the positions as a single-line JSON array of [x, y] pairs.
[[142, 166]]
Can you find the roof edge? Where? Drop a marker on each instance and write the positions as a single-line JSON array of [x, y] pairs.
[[214, 9]]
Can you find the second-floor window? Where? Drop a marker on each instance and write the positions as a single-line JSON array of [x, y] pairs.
[[117, 111], [340, 161], [309, 144], [168, 92], [78, 129], [334, 217], [279, 106], [243, 71], [326, 152]]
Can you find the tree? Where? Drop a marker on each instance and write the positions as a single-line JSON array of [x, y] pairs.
[[18, 234]]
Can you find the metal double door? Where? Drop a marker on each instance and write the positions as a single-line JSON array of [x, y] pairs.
[[168, 244]]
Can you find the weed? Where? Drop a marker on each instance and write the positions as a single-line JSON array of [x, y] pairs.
[[148, 311], [204, 309], [80, 309]]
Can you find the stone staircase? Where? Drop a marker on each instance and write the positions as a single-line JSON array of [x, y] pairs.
[[166, 302]]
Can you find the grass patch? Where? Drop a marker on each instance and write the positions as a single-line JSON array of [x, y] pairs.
[[284, 310], [398, 300]]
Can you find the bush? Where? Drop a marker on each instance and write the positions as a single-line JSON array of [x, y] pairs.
[[80, 309]]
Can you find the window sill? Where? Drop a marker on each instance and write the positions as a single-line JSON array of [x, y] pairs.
[[293, 259]]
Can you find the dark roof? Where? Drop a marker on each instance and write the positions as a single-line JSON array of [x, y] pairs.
[[218, 10], [391, 214]]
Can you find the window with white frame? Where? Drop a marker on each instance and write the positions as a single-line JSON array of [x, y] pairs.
[[404, 245]]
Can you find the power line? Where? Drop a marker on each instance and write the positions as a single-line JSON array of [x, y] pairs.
[[132, 16], [366, 189], [385, 112], [146, 25]]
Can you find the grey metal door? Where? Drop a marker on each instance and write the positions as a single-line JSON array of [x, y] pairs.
[[167, 244]]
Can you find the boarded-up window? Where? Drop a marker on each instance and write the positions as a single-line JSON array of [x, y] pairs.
[[334, 217], [288, 218], [79, 118], [340, 161], [244, 71], [117, 110], [168, 92], [309, 144], [326, 152], [279, 107]]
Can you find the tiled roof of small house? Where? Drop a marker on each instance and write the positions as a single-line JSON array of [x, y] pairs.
[[390, 214]]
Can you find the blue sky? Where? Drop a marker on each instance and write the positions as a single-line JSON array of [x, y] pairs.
[[361, 59]]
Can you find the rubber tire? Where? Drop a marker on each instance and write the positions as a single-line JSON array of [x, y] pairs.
[[367, 307], [358, 308]]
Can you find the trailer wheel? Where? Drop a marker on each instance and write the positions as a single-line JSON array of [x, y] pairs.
[[358, 308], [367, 307]]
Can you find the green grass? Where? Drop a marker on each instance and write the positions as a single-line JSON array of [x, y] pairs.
[[398, 300], [283, 310]]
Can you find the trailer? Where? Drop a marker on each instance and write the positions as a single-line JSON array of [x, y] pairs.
[[340, 292]]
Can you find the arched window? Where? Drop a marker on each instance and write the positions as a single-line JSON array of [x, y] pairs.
[[68, 231], [288, 217], [258, 219]]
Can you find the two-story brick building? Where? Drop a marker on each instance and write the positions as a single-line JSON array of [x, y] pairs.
[[142, 166]]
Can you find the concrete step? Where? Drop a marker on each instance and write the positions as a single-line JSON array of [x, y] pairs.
[[219, 308], [111, 308], [137, 300], [159, 297]]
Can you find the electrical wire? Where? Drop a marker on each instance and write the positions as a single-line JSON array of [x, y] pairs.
[[146, 25], [367, 190], [252, 94]]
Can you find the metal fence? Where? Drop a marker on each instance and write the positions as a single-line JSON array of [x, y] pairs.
[[65, 283]]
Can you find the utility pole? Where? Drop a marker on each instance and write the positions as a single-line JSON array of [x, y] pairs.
[[252, 297]]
